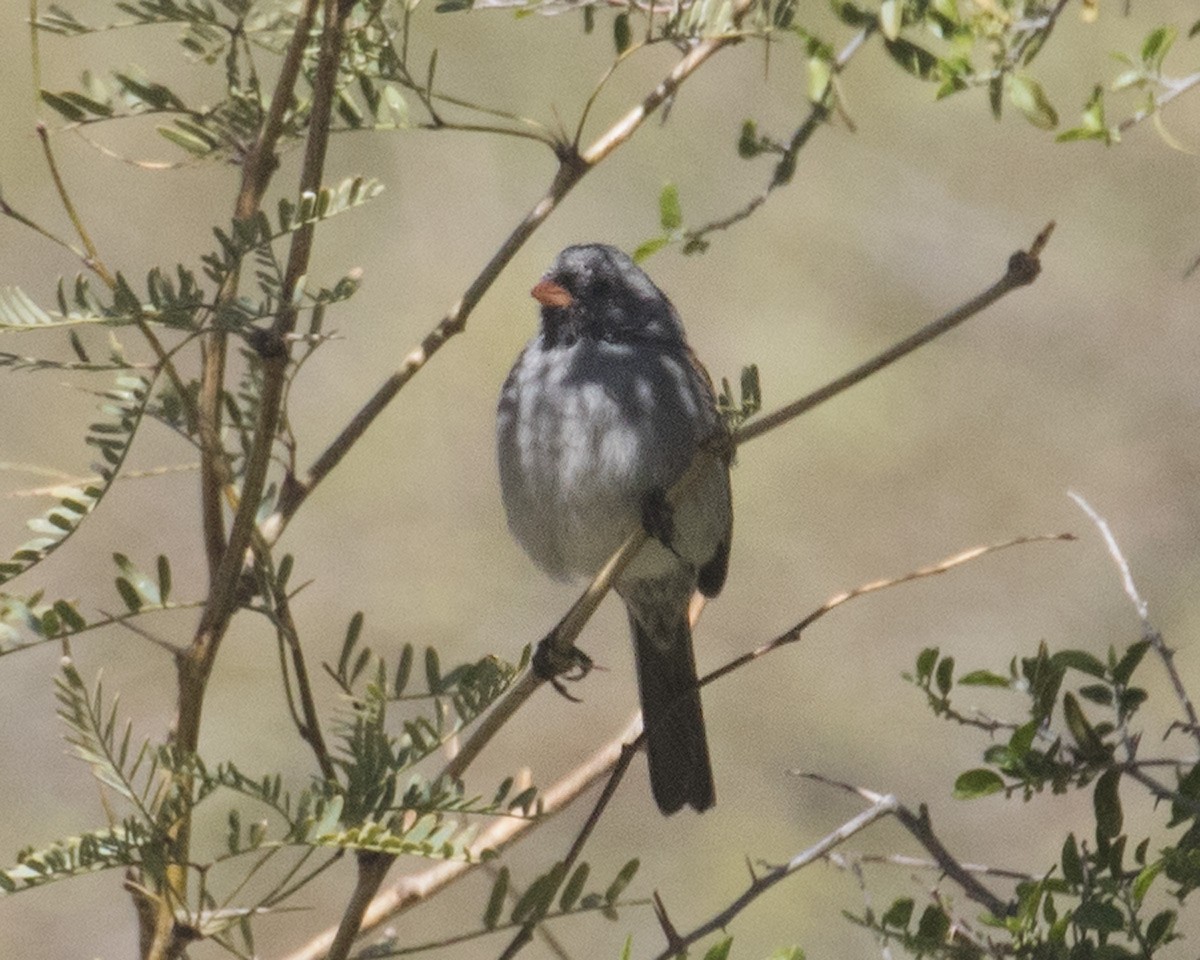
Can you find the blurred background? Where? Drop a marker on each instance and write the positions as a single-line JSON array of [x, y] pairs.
[[1085, 381]]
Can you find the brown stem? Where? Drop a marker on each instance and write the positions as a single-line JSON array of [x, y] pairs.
[[525, 934], [882, 807], [1023, 269], [224, 558], [308, 722], [372, 869]]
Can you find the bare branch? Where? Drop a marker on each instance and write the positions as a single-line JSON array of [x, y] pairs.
[[1149, 632], [1023, 269], [943, 566], [818, 851]]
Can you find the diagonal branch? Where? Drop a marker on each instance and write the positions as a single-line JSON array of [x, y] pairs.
[[679, 942], [1149, 632]]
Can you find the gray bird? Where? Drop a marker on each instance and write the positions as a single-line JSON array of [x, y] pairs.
[[604, 410]]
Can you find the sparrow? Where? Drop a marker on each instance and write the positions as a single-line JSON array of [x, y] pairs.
[[604, 410]]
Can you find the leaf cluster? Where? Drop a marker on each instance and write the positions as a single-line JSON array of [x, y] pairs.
[[1093, 902]]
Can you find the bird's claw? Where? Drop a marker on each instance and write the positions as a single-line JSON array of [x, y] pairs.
[[560, 667]]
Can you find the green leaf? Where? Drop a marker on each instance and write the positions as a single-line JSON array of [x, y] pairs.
[[1156, 46], [63, 107], [1028, 96], [916, 60], [1072, 866], [622, 880], [433, 673], [1099, 915], [573, 888], [646, 250], [1097, 693], [164, 579], [820, 75], [982, 678], [128, 595], [495, 904], [945, 675], [925, 663], [899, 913], [1079, 660], [933, 926], [977, 783], [1091, 747], [1133, 77], [719, 950], [1144, 879], [670, 213], [187, 140], [748, 145], [622, 34], [852, 15], [1123, 672], [1107, 803], [1161, 929]]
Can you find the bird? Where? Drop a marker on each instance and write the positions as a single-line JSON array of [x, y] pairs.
[[604, 410]]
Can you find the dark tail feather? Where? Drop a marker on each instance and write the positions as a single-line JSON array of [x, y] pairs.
[[680, 770]]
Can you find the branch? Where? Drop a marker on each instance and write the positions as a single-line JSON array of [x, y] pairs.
[[1175, 88], [620, 766], [678, 942], [933, 570], [785, 166], [881, 806], [1149, 633], [194, 667], [1023, 269]]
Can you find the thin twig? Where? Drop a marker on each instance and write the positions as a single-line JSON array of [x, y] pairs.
[[1023, 268], [1149, 632], [1176, 88], [786, 164], [918, 825], [943, 566], [882, 807], [920, 863], [628, 749]]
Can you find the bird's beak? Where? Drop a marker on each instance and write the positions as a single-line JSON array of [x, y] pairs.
[[550, 294]]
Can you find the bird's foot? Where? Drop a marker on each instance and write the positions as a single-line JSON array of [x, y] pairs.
[[560, 667]]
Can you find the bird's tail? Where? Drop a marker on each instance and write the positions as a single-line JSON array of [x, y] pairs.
[[680, 769]]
